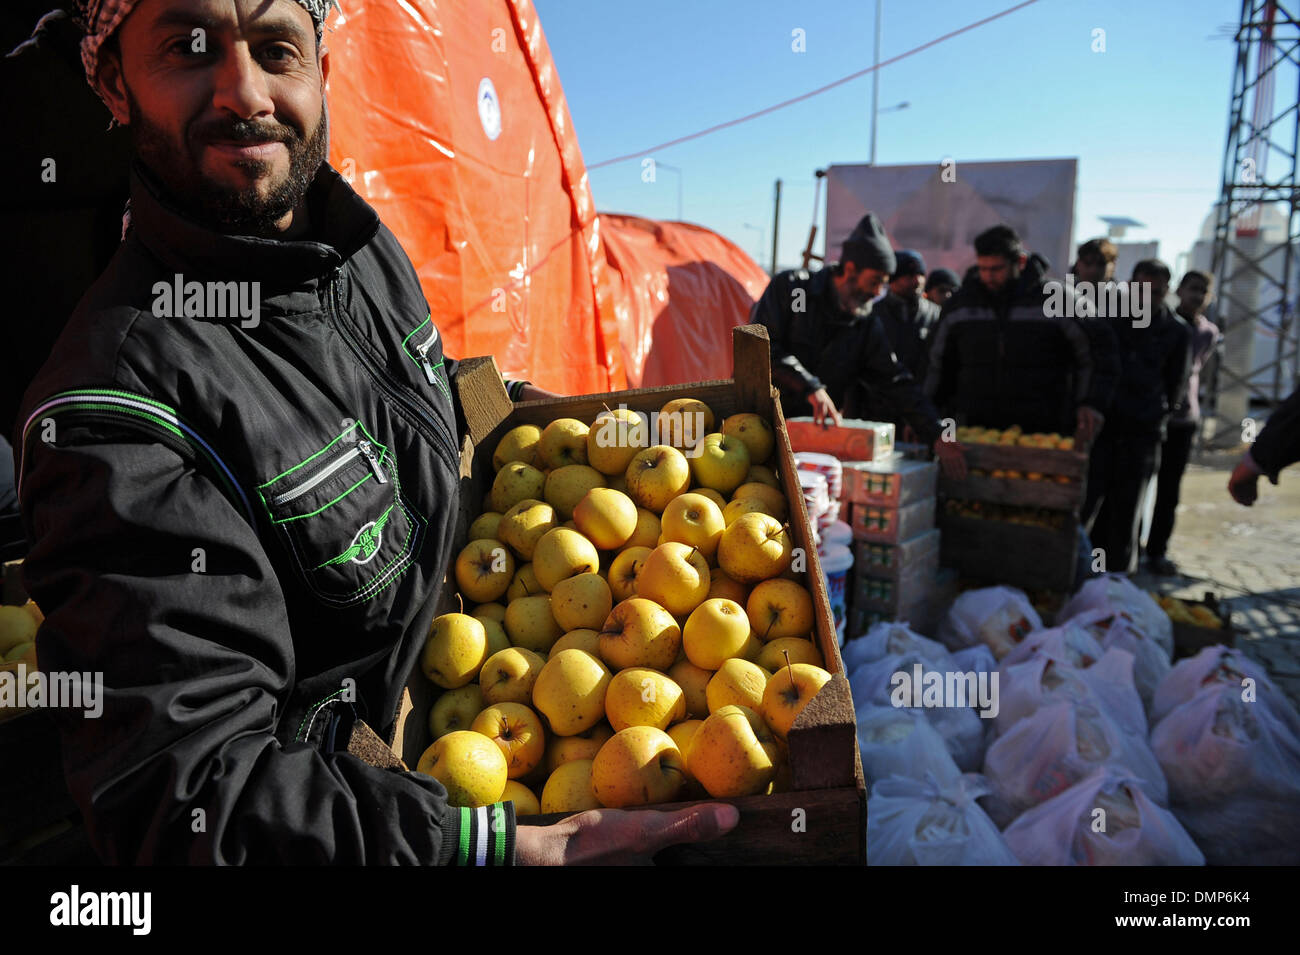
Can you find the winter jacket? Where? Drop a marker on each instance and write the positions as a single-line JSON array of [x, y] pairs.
[[1154, 365], [1278, 445], [1002, 359], [817, 344], [244, 524]]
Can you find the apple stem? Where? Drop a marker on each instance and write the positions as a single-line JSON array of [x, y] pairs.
[[606, 407], [789, 666], [461, 601], [691, 555]]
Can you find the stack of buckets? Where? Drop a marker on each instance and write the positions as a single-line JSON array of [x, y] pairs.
[[821, 479]]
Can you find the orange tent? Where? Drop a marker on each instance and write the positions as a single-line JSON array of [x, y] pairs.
[[450, 120]]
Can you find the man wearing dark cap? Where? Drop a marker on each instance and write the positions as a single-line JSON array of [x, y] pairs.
[[830, 352], [239, 474], [940, 284], [907, 317]]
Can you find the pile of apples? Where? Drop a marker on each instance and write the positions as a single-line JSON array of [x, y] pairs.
[[643, 632], [985, 510], [18, 626], [1197, 615]]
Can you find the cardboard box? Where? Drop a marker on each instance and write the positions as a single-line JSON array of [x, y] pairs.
[[889, 525], [892, 483], [852, 440], [890, 560]]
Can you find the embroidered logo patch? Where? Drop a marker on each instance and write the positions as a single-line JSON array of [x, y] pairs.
[[365, 543]]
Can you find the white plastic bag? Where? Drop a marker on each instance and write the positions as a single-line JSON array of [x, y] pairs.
[[1116, 594], [1220, 666], [890, 639], [998, 617], [910, 822], [1071, 643], [977, 659], [1105, 819], [898, 742], [962, 729], [1106, 686], [1051, 750], [1233, 767]]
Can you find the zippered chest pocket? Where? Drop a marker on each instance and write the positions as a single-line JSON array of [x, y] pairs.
[[424, 347], [344, 519]]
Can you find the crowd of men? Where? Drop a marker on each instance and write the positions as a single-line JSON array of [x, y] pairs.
[[874, 336]]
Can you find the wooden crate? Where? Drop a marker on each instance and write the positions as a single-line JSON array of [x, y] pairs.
[[1021, 492], [1019, 555], [826, 768], [1190, 639]]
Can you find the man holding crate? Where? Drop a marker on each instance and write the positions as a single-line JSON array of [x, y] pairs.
[[239, 475]]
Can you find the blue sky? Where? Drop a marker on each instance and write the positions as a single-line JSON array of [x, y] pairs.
[[1146, 118]]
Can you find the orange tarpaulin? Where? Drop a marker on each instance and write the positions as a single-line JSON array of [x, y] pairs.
[[449, 118]]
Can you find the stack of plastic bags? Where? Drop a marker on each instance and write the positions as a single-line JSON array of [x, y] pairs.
[[1228, 741]]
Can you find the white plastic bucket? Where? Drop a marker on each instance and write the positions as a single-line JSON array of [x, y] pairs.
[[837, 561]]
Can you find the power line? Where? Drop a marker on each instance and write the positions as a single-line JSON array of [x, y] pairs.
[[812, 93]]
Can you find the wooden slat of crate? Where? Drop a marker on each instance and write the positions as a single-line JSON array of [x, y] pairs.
[[1021, 492], [1020, 555], [825, 765], [1071, 464]]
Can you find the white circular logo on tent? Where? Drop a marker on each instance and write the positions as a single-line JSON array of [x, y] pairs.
[[489, 108]]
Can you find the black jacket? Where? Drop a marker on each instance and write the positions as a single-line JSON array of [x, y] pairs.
[[998, 360], [908, 325], [816, 344], [210, 530], [1154, 364], [1278, 445]]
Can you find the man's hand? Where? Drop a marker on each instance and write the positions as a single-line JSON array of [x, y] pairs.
[[952, 459], [1243, 484], [530, 392], [620, 837], [824, 411], [1088, 422]]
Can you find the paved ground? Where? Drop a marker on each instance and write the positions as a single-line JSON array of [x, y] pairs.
[[1249, 556]]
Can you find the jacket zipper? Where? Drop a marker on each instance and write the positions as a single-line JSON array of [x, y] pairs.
[[387, 386], [423, 352], [363, 449]]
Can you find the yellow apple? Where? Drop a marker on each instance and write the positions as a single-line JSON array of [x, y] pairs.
[[712, 495], [470, 767], [675, 576], [515, 482], [517, 730], [640, 633], [531, 624], [17, 626], [754, 430], [737, 682], [606, 517], [756, 547], [563, 442], [570, 692], [524, 584], [455, 710], [494, 610], [801, 650], [721, 464], [761, 474], [525, 800], [788, 691], [523, 525], [733, 753], [563, 553], [585, 745], [695, 520], [615, 438], [682, 734], [682, 422], [588, 640], [780, 608], [497, 639], [567, 486], [484, 569], [716, 631], [454, 651], [721, 585], [624, 570], [656, 476], [484, 527], [694, 682], [772, 498], [639, 766], [508, 675], [741, 506], [517, 444], [639, 696], [648, 528], [568, 789], [618, 482], [582, 602]]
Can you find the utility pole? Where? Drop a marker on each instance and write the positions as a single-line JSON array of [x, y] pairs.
[[875, 85], [776, 225]]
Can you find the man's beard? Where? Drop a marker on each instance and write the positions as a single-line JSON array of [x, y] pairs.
[[235, 211]]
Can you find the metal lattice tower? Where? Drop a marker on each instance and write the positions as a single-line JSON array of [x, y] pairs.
[[1254, 267]]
